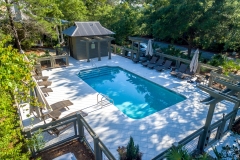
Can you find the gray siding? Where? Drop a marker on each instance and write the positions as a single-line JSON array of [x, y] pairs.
[[74, 47], [80, 51], [104, 49]]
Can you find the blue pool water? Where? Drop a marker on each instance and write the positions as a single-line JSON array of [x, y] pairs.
[[135, 96]]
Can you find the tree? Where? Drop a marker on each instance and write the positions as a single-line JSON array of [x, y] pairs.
[[14, 86], [193, 20], [70, 13], [35, 21], [123, 20]]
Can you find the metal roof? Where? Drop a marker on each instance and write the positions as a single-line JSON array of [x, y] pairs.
[[83, 29]]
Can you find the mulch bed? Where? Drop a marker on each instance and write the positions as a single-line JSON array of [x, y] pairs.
[[236, 127], [79, 149]]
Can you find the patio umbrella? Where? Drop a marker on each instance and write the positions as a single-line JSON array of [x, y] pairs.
[[149, 49], [194, 62]]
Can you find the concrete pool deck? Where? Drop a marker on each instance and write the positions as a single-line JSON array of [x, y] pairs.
[[154, 133]]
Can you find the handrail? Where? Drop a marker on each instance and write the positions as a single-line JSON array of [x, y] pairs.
[[94, 64], [106, 97]]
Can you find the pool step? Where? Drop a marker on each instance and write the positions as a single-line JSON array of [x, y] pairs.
[[95, 72]]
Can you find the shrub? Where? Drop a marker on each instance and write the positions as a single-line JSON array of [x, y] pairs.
[[131, 152], [217, 60], [15, 84], [180, 153], [171, 50]]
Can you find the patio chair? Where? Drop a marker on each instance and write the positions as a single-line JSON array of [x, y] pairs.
[[43, 78], [152, 61], [135, 60], [159, 63], [44, 83], [186, 75], [166, 65], [53, 107], [182, 69], [46, 90]]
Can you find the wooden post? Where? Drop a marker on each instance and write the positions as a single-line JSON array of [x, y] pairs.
[[109, 50], [80, 127], [236, 106], [99, 53], [138, 47], [115, 49], [220, 129], [198, 68], [210, 81], [87, 50], [29, 136], [97, 150], [205, 136]]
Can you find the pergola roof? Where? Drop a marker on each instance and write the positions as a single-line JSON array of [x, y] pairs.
[[85, 29], [137, 39]]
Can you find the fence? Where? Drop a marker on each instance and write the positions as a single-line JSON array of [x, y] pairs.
[[217, 130], [79, 126], [178, 60], [52, 60]]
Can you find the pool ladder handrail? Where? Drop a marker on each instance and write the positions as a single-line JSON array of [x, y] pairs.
[[106, 97], [94, 65]]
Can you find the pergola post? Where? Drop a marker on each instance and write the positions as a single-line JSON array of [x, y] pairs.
[[87, 50], [99, 53], [109, 50], [138, 47], [204, 138]]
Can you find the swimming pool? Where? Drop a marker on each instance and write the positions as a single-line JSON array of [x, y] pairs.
[[135, 96]]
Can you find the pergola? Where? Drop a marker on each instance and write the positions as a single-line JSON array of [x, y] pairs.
[[138, 40], [231, 94], [97, 39]]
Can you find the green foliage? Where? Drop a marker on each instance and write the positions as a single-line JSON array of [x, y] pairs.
[[171, 50], [123, 20], [70, 13], [178, 153], [36, 142], [15, 84], [217, 60], [231, 66], [199, 22], [132, 150]]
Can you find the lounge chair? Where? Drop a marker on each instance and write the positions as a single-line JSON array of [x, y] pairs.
[[182, 69], [135, 60], [159, 63], [185, 75], [166, 65], [44, 83], [41, 98], [152, 61], [46, 90], [44, 78]]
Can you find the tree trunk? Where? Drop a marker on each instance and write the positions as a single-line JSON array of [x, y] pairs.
[[190, 42], [15, 34]]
